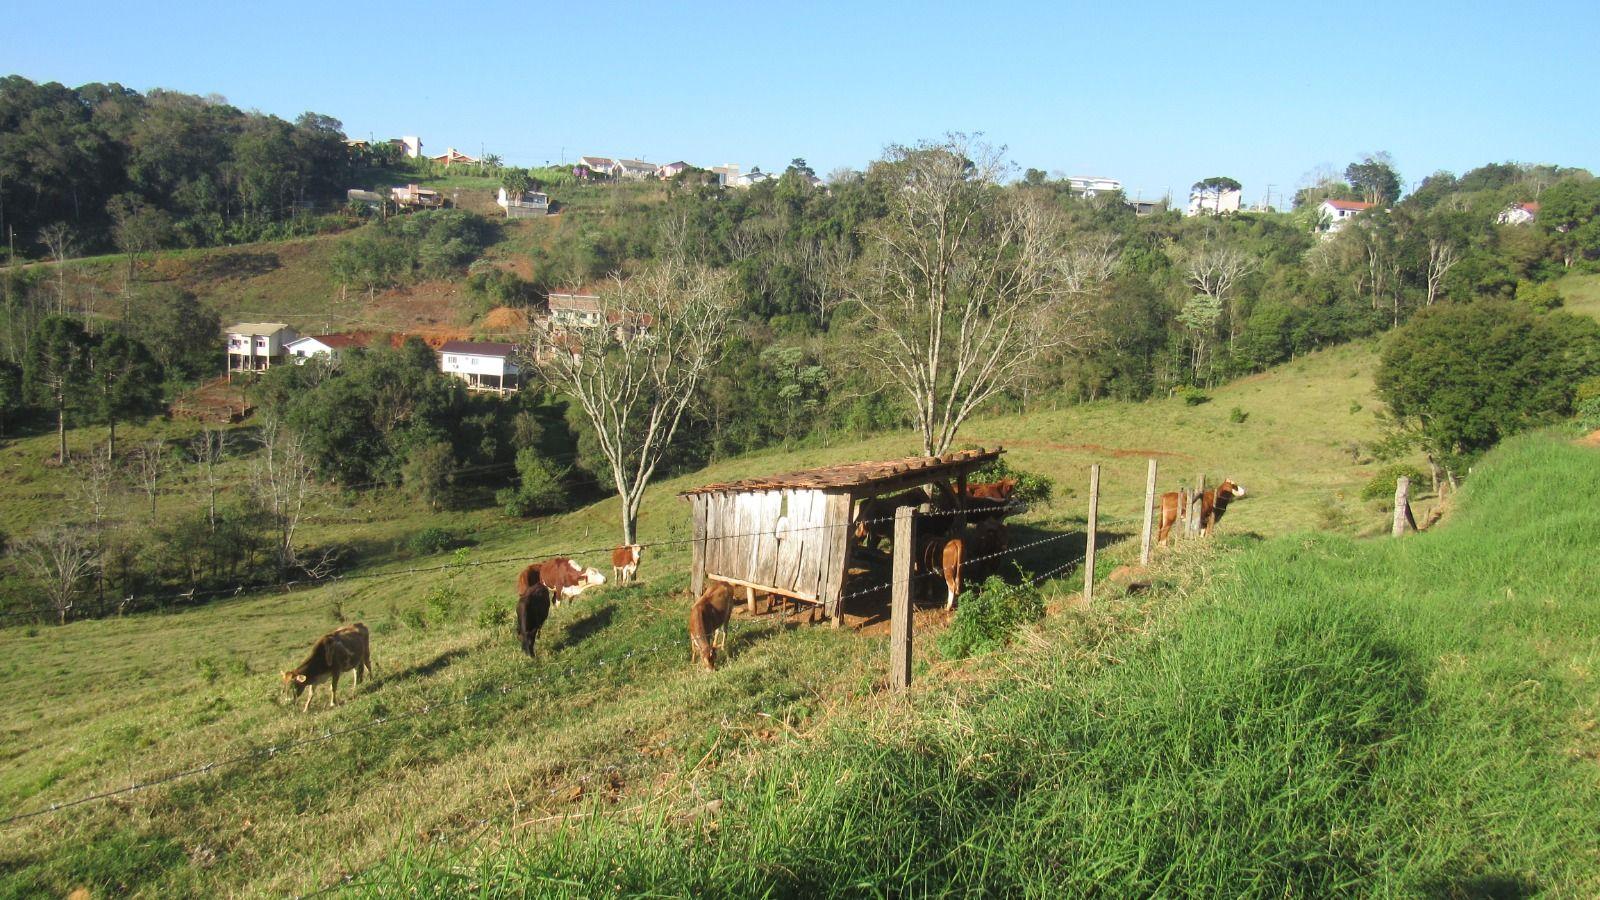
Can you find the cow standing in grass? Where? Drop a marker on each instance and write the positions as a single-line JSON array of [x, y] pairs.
[[533, 608], [1213, 504], [944, 556], [344, 649], [625, 562], [564, 577], [708, 619]]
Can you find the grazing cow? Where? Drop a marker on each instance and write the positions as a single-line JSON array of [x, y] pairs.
[[875, 520], [944, 556], [533, 608], [708, 618], [992, 490], [564, 577], [1213, 504], [625, 562], [344, 649]]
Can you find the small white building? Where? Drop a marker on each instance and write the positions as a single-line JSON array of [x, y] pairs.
[[412, 145], [1214, 201], [1518, 214], [633, 169], [1335, 214], [726, 174], [257, 346], [670, 169], [1091, 185], [590, 166], [326, 346], [575, 310], [750, 178], [484, 365], [416, 197], [530, 205]]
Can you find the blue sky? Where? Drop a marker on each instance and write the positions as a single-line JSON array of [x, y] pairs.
[[1156, 94]]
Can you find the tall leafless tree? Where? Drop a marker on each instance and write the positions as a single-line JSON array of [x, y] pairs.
[[58, 238], [94, 486], [149, 468], [1215, 270], [1442, 257], [59, 560], [964, 284], [636, 376], [282, 483], [208, 450]]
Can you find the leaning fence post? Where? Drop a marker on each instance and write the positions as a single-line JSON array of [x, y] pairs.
[[1149, 503], [1197, 505], [900, 602], [1402, 504], [1093, 526]]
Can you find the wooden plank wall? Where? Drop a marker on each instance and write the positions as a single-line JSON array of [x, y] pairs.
[[772, 540]]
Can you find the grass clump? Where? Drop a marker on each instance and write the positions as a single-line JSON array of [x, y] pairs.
[[1381, 486]]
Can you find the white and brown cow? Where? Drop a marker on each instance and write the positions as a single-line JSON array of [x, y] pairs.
[[945, 556], [344, 649], [1213, 504], [564, 577], [625, 562]]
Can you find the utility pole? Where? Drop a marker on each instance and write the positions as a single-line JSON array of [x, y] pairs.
[[1268, 204]]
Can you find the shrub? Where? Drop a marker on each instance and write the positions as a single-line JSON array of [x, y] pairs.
[[1587, 389], [208, 667], [429, 541], [1193, 396], [429, 474], [413, 619], [494, 614], [1381, 486], [541, 487], [1237, 416], [444, 605], [1589, 413], [985, 618]]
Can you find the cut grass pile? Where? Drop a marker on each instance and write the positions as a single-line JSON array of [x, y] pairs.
[[1327, 717]]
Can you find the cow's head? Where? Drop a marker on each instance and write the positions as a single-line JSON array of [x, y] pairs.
[[638, 552], [1006, 486], [1231, 489], [293, 684], [586, 578]]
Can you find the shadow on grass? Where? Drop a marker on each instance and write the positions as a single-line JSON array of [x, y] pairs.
[[1479, 887], [431, 667], [585, 627]]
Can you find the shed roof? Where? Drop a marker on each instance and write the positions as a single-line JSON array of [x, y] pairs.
[[849, 476], [478, 348]]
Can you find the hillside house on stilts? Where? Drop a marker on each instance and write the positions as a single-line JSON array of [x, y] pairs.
[[792, 536]]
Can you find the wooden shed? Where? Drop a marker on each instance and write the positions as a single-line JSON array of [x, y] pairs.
[[791, 534]]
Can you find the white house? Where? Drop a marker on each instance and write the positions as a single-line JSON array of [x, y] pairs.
[[1518, 214], [633, 169], [671, 169], [327, 346], [1336, 213], [416, 196], [257, 346], [531, 204], [576, 310], [750, 178], [726, 174], [483, 365], [412, 145], [1214, 201], [1090, 185], [589, 166]]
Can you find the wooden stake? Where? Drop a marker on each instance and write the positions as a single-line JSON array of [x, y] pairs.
[[749, 600], [1402, 505], [900, 636], [1197, 503], [1149, 512], [1093, 526]]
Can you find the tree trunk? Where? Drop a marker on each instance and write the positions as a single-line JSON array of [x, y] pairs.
[[630, 522], [111, 440], [61, 432]]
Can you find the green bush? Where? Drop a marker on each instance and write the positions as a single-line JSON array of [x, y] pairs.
[[1237, 416], [444, 605], [208, 667], [541, 487], [494, 615], [1381, 487], [413, 619], [1589, 413], [1193, 396], [1587, 389], [429, 541], [986, 618], [429, 474]]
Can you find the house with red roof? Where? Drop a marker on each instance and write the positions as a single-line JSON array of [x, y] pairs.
[[1336, 213], [1518, 214], [330, 346]]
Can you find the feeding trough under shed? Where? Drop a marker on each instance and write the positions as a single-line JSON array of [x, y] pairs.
[[791, 535]]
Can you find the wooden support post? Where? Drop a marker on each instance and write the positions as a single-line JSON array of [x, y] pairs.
[[900, 636], [1180, 528], [1149, 512], [1402, 505], [1197, 502], [749, 600], [1093, 526]]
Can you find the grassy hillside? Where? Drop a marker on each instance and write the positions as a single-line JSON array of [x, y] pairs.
[[1326, 717], [100, 704]]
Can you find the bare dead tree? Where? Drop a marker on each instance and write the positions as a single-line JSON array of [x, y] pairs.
[[59, 560], [208, 450], [281, 481], [1215, 270], [149, 468], [636, 376], [1442, 257], [94, 486], [964, 284], [834, 260], [58, 238]]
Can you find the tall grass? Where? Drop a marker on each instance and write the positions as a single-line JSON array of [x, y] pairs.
[[1327, 718]]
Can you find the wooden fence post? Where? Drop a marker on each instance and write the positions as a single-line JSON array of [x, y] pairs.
[[1402, 505], [1197, 502], [1093, 526], [1180, 526], [1149, 504], [900, 601]]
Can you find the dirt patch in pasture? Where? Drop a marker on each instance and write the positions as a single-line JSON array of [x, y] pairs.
[[1592, 439], [1087, 448], [505, 318]]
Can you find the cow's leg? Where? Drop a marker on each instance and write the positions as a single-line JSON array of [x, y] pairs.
[[333, 690], [310, 689]]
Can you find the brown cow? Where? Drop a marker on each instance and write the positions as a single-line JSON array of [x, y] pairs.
[[1213, 504], [944, 556], [708, 618], [344, 649], [625, 562], [533, 608], [564, 577], [992, 490]]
